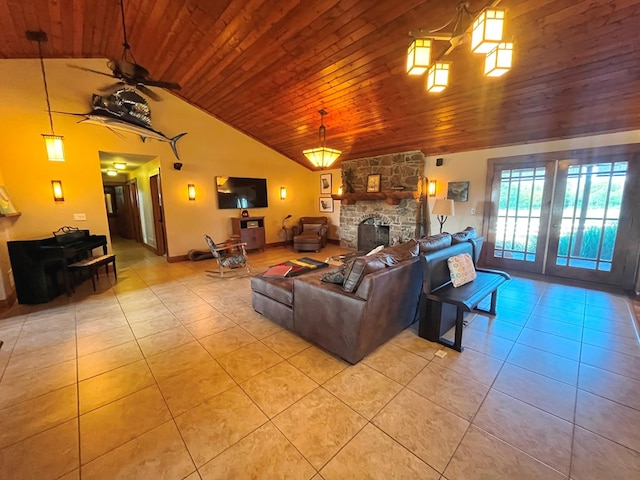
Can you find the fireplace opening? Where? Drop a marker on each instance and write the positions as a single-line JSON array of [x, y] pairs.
[[371, 234]]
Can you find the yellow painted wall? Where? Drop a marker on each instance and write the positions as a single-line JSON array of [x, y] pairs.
[[211, 148], [334, 218]]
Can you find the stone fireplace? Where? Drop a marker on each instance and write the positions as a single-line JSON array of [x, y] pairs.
[[394, 207]]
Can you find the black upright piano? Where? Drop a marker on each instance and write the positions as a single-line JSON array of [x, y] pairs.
[[40, 266]]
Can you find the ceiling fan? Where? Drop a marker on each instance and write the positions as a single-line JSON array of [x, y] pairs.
[[128, 72]]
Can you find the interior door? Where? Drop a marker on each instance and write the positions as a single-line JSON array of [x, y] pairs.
[[158, 214], [592, 220]]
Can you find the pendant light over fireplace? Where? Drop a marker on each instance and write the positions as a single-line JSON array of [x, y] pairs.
[[322, 157], [53, 142]]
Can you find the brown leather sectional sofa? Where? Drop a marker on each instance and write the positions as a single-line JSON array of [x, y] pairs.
[[378, 298]]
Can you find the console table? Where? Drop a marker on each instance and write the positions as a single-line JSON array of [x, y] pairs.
[[250, 230]]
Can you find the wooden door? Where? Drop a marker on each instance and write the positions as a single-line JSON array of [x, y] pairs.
[[134, 207], [158, 214]]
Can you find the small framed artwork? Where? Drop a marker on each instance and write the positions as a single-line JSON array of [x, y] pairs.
[[458, 191], [326, 205], [325, 184], [373, 183]]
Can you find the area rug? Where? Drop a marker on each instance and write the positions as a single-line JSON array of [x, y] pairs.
[[293, 268]]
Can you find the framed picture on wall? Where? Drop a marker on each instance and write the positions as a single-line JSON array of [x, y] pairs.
[[458, 191], [325, 184], [326, 205], [373, 183]]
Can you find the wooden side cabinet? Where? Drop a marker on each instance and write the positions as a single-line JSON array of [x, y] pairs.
[[250, 230]]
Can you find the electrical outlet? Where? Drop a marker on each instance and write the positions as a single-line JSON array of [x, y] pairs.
[[473, 211], [79, 217]]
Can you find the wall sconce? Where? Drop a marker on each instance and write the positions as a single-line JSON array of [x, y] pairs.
[[56, 186], [191, 188], [340, 190], [283, 193], [432, 188]]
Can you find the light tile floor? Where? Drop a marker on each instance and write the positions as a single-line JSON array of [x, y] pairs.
[[169, 374]]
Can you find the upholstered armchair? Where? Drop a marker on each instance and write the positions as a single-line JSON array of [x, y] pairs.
[[311, 235]]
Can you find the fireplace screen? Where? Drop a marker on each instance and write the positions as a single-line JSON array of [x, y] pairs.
[[371, 234]]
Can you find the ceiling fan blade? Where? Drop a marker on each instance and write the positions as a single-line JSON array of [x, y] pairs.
[[149, 93], [90, 70], [110, 88], [162, 84]]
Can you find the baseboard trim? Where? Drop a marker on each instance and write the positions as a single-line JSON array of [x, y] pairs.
[[9, 301], [177, 258]]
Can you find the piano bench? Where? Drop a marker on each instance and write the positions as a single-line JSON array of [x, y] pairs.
[[93, 264]]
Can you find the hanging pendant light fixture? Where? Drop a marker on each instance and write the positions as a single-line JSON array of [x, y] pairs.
[[322, 157], [53, 142], [482, 29]]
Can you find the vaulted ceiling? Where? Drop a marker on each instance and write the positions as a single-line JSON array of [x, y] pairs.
[[266, 67]]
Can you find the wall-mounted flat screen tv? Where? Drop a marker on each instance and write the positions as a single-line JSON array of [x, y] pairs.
[[240, 192]]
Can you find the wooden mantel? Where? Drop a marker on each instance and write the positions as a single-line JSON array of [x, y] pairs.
[[391, 197]]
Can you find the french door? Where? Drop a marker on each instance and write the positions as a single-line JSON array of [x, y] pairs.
[[574, 218]]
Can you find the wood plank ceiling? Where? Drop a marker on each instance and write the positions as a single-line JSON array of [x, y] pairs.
[[267, 67]]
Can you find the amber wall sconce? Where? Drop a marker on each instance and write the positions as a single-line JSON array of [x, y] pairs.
[[191, 189], [56, 187], [283, 193], [432, 188]]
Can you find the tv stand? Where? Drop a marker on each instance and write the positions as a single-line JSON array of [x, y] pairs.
[[250, 230]]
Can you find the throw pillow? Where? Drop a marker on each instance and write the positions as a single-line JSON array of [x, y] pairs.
[[337, 276], [375, 250], [334, 276], [461, 269]]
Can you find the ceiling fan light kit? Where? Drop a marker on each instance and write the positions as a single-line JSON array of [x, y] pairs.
[[484, 33], [322, 156]]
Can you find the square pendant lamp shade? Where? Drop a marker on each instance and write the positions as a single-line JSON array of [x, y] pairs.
[[55, 147], [419, 56], [438, 76], [486, 32], [498, 61]]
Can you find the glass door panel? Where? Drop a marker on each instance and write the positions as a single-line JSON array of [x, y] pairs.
[[586, 219], [520, 204]]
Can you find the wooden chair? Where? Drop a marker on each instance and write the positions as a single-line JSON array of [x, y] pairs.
[[228, 255]]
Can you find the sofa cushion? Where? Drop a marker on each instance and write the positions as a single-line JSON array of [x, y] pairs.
[[461, 269], [312, 227], [467, 234], [434, 242], [278, 288]]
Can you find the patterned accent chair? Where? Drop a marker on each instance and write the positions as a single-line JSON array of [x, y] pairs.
[[311, 235], [228, 255]]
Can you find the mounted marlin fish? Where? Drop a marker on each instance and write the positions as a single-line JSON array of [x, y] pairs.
[[126, 110]]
